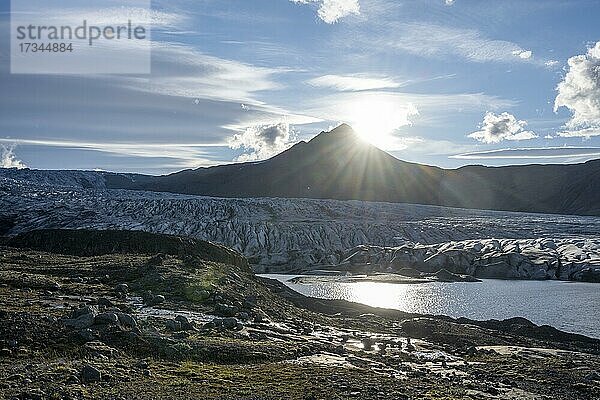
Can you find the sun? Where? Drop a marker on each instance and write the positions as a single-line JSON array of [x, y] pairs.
[[376, 118]]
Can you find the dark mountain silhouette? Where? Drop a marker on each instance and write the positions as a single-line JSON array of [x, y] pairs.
[[339, 165]]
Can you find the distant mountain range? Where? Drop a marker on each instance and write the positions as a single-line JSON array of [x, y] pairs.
[[340, 165]]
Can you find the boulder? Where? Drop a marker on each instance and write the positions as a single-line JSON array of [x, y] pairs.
[[128, 321], [122, 288], [82, 318], [173, 325], [90, 374], [108, 318], [226, 310], [186, 325]]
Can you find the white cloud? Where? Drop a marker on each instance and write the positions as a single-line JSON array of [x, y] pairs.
[[531, 153], [579, 92], [331, 11], [262, 141], [498, 127], [524, 54], [356, 82], [551, 63], [449, 2], [8, 159]]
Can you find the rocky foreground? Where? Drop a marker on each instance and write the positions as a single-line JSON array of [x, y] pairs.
[[126, 315]]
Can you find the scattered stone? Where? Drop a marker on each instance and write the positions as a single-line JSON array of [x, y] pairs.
[[82, 318], [87, 334], [225, 310], [90, 374], [97, 348], [186, 325], [35, 394], [592, 376], [122, 288], [128, 321], [230, 323], [108, 318], [173, 325], [103, 301], [156, 300], [244, 316], [85, 310]]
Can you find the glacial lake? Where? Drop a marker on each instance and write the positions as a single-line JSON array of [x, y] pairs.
[[568, 306]]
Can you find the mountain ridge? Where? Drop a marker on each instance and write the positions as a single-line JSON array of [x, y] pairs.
[[340, 165]]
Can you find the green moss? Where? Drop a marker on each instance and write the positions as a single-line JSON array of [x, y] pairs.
[[196, 288]]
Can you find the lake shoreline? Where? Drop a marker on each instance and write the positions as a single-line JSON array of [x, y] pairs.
[[517, 298]]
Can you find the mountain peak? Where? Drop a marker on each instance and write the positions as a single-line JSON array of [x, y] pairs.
[[340, 134]]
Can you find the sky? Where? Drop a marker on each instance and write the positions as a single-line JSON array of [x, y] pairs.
[[439, 82]]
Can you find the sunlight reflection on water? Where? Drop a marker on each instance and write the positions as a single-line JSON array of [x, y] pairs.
[[569, 306]]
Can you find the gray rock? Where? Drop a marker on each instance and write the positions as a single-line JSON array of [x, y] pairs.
[[209, 325], [244, 316], [84, 311], [592, 376], [225, 310], [122, 288], [90, 374], [186, 325], [103, 301], [128, 321], [35, 394], [173, 325], [156, 300], [230, 323], [82, 322], [367, 343], [108, 318]]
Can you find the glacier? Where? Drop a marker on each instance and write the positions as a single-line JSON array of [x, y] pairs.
[[292, 235]]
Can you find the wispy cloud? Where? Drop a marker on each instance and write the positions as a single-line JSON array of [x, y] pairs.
[[432, 40], [179, 70], [531, 153], [355, 82], [190, 154]]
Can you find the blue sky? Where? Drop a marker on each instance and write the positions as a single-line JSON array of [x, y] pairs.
[[447, 83]]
